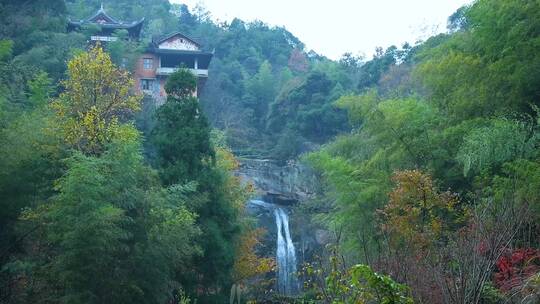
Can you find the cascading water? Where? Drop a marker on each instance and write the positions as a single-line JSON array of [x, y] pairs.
[[285, 254], [287, 281]]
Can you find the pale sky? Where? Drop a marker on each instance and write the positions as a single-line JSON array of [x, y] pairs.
[[332, 28]]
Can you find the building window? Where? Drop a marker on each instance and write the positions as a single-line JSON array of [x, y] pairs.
[[148, 63], [147, 84]]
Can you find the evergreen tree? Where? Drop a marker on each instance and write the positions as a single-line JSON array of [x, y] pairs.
[[181, 134], [184, 153]]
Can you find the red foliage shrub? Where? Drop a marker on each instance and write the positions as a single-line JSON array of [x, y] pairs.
[[516, 266], [298, 61]]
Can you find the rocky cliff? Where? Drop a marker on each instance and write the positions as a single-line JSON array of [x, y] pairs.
[[292, 181]]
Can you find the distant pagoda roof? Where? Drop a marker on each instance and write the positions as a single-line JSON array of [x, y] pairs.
[[106, 22]]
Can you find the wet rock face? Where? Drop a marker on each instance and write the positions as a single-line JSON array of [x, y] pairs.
[[322, 236], [280, 184]]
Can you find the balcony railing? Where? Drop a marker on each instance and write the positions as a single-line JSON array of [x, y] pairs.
[[103, 38], [167, 71]]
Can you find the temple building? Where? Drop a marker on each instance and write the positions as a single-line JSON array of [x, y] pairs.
[[105, 27], [162, 57]]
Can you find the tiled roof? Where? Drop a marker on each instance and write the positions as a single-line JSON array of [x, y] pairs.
[[158, 40], [104, 20]]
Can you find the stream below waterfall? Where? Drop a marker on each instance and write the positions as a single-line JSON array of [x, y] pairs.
[[287, 281]]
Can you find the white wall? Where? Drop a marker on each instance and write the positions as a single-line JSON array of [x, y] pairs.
[[178, 43]]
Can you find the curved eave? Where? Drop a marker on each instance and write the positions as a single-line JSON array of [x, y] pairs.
[[135, 27], [138, 26]]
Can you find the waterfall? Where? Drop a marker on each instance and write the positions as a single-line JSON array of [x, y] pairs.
[[287, 281], [285, 254]]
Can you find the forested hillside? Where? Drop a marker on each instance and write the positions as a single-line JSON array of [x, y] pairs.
[[426, 154], [85, 216], [265, 89], [437, 183]]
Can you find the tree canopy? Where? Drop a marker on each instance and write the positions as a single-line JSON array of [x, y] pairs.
[[425, 161]]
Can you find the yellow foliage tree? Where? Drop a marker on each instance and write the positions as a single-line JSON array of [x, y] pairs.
[[417, 213], [237, 192], [96, 95], [248, 264]]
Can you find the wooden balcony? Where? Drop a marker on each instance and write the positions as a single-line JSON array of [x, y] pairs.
[[103, 38], [161, 71]]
